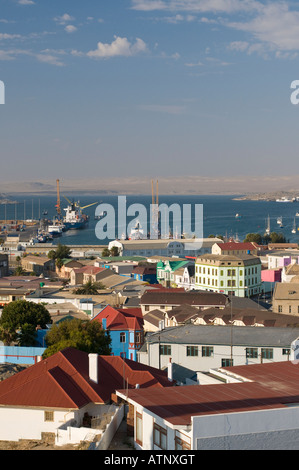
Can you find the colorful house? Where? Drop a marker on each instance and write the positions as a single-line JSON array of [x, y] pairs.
[[126, 330], [145, 274], [166, 270]]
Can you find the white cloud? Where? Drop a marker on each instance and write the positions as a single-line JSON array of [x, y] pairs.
[[64, 19], [9, 36], [26, 2], [118, 47], [275, 25], [49, 59], [70, 28], [200, 6]]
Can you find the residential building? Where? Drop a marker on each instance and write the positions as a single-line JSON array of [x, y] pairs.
[[166, 271], [254, 408], [290, 272], [67, 267], [155, 320], [286, 298], [229, 274], [200, 348], [185, 277], [282, 258], [39, 265], [66, 395], [85, 274], [125, 327], [167, 299], [145, 273]]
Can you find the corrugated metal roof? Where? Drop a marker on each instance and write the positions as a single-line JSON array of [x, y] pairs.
[[221, 335], [273, 386], [62, 381]]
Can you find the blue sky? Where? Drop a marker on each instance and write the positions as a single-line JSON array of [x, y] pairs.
[[148, 87]]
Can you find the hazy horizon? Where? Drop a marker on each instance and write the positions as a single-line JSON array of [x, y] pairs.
[[191, 185]]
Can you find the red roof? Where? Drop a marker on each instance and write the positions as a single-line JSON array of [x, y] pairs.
[[236, 246], [62, 381], [89, 270], [121, 319], [273, 385]]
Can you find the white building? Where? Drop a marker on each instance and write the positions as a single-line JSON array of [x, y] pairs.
[[200, 348], [169, 247], [254, 408]]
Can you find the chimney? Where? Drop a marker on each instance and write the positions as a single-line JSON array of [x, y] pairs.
[[169, 370], [93, 367]]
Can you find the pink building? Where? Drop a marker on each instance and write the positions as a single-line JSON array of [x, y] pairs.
[[271, 275]]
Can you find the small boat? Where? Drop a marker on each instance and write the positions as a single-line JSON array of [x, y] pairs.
[[297, 214], [279, 220], [294, 227], [268, 226], [238, 216], [45, 212]]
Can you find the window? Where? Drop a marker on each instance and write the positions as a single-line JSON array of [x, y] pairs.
[[49, 416], [138, 337], [192, 350], [122, 337], [251, 353], [146, 308], [226, 362], [207, 351], [286, 352], [267, 353], [160, 436], [181, 445], [280, 309], [290, 309], [138, 428], [165, 349]]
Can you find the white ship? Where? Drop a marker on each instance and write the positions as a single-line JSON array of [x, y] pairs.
[[285, 199], [137, 232]]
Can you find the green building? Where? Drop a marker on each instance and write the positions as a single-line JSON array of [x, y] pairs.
[[166, 270]]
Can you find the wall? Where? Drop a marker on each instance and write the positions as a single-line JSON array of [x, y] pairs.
[[204, 364], [26, 423], [19, 355], [265, 429]]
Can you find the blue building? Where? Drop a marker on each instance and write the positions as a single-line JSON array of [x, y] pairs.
[[125, 327]]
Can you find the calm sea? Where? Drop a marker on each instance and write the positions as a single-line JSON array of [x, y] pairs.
[[219, 214]]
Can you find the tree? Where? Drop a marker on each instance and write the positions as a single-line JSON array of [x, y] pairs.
[[16, 314], [27, 335], [114, 251], [277, 238], [89, 288], [86, 336], [253, 237], [61, 252], [105, 253], [19, 271]]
